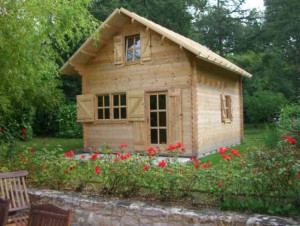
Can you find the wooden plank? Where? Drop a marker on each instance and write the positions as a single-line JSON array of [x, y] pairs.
[[14, 174]]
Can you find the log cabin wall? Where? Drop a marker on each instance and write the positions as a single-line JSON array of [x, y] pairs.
[[169, 69], [212, 82]]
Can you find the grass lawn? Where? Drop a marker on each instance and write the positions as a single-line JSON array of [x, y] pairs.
[[50, 143], [253, 136]]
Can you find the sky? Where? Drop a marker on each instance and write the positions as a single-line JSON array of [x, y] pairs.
[[249, 4]]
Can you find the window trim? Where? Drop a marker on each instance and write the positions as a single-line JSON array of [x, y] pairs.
[[111, 107], [134, 61]]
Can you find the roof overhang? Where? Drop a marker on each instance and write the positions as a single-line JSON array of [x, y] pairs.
[[114, 23]]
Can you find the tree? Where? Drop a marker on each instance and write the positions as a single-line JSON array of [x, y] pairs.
[[263, 106], [33, 35], [218, 26], [175, 15]]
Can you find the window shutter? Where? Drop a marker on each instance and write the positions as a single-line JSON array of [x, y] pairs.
[[145, 46], [223, 109], [136, 109], [119, 49], [85, 108], [175, 116], [230, 108]]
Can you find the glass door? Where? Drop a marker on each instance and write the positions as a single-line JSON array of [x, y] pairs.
[[158, 118]]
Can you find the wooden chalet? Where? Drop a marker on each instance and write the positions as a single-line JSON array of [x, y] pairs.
[[148, 86]]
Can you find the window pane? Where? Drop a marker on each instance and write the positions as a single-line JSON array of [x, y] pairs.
[[130, 42], [153, 102], [123, 112], [162, 136], [116, 113], [137, 42], [153, 118], [162, 101], [100, 113], [154, 136], [106, 100], [162, 119], [137, 54], [123, 99], [130, 55], [116, 100], [100, 101], [106, 113]]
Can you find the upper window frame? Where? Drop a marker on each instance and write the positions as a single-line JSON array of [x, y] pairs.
[[134, 60]]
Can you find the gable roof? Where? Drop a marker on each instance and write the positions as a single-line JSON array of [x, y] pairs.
[[121, 16]]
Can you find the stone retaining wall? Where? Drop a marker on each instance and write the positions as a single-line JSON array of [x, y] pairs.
[[97, 211]]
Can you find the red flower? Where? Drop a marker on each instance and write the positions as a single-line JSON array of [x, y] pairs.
[[171, 147], [127, 155], [24, 133], [204, 165], [32, 151], [234, 152], [72, 167], [24, 160], [97, 170], [152, 152], [209, 163], [182, 148], [123, 157], [69, 154], [291, 140], [94, 156], [227, 158], [298, 176], [162, 163], [179, 144], [44, 167], [82, 156], [146, 167], [116, 159], [222, 150], [220, 184], [123, 145]]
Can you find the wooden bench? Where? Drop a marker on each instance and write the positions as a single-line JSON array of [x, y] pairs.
[[49, 215], [13, 188]]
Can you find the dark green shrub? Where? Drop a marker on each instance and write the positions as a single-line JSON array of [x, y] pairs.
[[66, 120]]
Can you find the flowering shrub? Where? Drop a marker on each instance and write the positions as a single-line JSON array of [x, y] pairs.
[[240, 181]]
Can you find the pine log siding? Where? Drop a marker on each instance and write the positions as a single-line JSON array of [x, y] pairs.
[[168, 68], [211, 83]]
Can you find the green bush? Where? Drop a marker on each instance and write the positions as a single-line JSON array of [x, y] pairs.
[[289, 122], [67, 124], [263, 106]]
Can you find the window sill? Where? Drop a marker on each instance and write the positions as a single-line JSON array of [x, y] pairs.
[[227, 121], [128, 63], [111, 121]]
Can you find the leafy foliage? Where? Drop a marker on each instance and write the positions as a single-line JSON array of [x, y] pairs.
[[263, 106], [66, 120], [33, 36]]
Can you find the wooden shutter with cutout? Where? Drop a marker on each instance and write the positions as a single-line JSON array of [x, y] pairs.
[[85, 108], [229, 107], [223, 109], [145, 46], [119, 49], [175, 116], [136, 105]]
